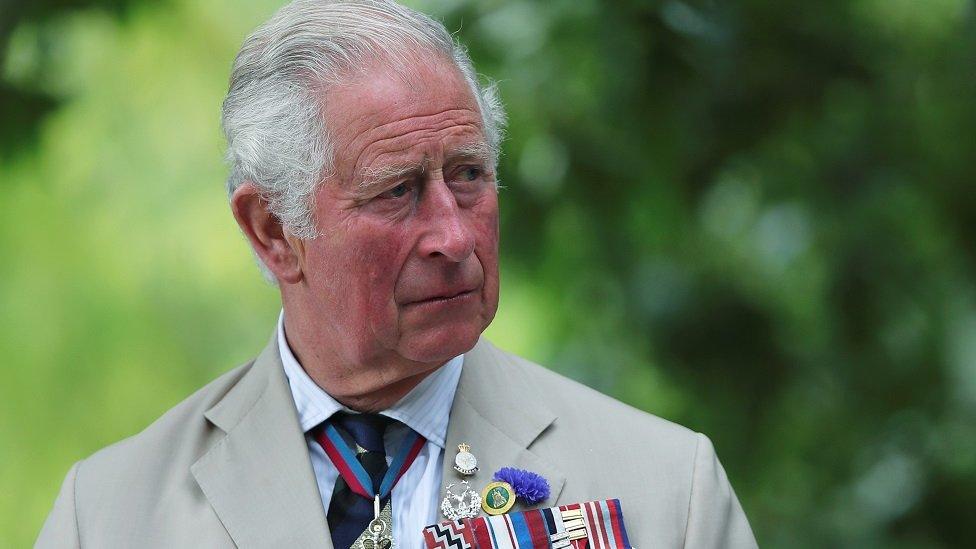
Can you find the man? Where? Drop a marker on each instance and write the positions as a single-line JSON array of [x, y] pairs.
[[363, 155]]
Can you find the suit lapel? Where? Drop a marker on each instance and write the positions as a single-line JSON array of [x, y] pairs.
[[259, 478], [496, 413]]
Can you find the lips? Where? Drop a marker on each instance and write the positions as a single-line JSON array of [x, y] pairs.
[[443, 295], [420, 284]]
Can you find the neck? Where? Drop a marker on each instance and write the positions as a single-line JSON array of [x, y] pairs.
[[362, 386], [381, 399]]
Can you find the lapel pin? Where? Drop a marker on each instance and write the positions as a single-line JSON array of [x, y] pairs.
[[465, 462], [497, 498], [456, 506]]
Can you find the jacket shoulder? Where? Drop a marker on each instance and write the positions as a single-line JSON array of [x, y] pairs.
[[183, 420], [166, 447], [586, 408], [666, 474]]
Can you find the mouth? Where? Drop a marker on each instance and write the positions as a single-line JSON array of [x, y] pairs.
[[446, 298]]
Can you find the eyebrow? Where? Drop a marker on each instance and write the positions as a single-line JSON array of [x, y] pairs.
[[478, 150], [373, 177]]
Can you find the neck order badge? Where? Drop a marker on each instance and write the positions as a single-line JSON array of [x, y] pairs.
[[379, 533]]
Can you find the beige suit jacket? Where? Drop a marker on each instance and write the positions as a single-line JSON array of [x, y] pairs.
[[229, 465]]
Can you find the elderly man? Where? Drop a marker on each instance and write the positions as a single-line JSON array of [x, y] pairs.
[[363, 155]]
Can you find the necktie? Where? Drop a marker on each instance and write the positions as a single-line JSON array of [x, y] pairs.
[[350, 513]]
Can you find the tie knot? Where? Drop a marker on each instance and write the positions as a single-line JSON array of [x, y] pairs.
[[366, 429]]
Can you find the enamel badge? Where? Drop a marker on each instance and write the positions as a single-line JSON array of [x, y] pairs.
[[497, 498], [465, 462]]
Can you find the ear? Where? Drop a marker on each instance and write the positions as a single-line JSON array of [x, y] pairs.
[[282, 253]]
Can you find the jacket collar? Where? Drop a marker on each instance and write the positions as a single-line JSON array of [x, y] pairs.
[[498, 413], [259, 477]]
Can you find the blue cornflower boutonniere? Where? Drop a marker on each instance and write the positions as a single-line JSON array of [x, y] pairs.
[[531, 487]]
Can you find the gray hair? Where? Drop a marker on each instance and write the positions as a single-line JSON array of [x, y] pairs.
[[277, 137]]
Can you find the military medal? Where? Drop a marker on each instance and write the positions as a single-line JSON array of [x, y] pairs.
[[460, 506], [379, 533], [465, 462], [593, 525], [497, 498]]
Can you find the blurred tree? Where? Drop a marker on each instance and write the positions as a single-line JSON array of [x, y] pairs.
[[23, 104]]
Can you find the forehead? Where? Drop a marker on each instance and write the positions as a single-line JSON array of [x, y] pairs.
[[383, 111]]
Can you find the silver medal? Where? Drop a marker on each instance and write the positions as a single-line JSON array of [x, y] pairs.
[[379, 533], [465, 462], [460, 505]]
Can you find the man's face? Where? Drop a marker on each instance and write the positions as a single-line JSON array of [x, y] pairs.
[[407, 262]]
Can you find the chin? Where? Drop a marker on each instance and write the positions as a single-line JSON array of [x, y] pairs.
[[438, 346]]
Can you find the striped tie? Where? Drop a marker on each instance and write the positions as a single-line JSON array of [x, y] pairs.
[[349, 513]]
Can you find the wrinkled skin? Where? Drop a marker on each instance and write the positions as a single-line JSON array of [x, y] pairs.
[[405, 273]]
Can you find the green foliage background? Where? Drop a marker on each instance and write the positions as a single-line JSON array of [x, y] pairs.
[[755, 218]]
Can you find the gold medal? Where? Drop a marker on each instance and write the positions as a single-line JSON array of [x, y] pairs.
[[497, 498]]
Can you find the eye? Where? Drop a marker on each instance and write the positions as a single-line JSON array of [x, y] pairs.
[[471, 173], [396, 192]]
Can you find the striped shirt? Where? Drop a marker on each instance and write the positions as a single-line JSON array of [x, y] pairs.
[[425, 409]]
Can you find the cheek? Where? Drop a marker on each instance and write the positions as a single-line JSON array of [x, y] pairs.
[[486, 223], [379, 269], [487, 244], [356, 271], [380, 259]]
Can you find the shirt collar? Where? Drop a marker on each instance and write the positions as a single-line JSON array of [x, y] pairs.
[[425, 409]]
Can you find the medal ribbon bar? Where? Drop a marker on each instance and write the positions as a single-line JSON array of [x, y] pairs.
[[590, 525]]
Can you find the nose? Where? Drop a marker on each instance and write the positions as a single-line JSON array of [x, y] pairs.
[[446, 232]]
